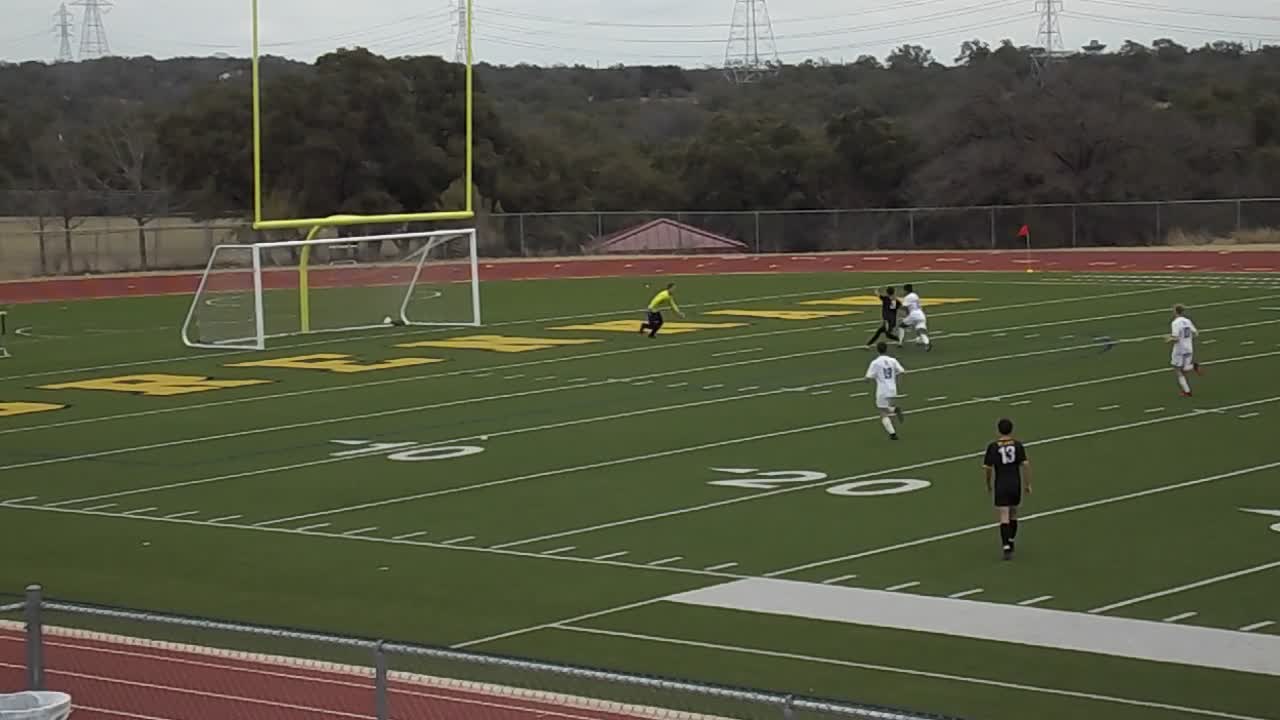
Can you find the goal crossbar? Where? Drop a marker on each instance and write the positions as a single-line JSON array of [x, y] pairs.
[[241, 300]]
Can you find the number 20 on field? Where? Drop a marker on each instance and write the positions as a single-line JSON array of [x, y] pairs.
[[754, 479]]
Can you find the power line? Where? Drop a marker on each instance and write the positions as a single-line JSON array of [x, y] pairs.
[[64, 29], [1179, 11], [750, 53], [93, 34], [1184, 28]]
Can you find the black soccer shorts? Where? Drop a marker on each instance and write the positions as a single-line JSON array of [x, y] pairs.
[[1007, 494]]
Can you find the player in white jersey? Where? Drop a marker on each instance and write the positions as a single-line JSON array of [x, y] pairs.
[[915, 320], [1182, 334], [885, 370]]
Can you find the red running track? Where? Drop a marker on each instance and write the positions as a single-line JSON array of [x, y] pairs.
[[1120, 260], [113, 679]]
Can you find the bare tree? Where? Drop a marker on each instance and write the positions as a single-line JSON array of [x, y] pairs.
[[61, 170], [132, 171]]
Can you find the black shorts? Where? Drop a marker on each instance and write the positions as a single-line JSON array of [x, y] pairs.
[[890, 322], [653, 318], [1007, 494]]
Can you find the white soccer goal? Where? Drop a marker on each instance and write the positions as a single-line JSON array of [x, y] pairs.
[[250, 293]]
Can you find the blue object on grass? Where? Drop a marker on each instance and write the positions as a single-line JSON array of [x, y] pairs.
[[1107, 342]]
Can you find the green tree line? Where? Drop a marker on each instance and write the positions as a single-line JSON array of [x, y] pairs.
[[357, 132]]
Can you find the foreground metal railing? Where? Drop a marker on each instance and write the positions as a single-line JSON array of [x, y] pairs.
[[145, 664]]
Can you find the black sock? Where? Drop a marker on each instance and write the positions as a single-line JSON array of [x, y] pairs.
[[1004, 534], [1013, 529]]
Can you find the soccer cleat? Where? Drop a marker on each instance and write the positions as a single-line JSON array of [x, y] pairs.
[[928, 347], [1008, 552], [893, 436], [1184, 393]]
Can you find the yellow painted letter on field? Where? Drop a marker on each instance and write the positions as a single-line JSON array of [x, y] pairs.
[[335, 362], [671, 328], [10, 409], [498, 343], [785, 314], [155, 384]]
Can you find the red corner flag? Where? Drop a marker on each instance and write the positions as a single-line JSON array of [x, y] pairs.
[[1024, 231]]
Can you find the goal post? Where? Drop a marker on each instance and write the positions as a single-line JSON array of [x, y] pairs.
[[251, 293]]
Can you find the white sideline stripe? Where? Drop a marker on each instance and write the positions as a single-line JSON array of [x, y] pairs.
[[839, 579], [455, 541], [317, 526], [965, 593], [1257, 626], [1036, 627], [1180, 617], [225, 518], [528, 363], [902, 586], [1191, 586], [864, 476], [1048, 513], [361, 531], [737, 352], [610, 556], [557, 551], [906, 671], [666, 561], [721, 566], [530, 321], [410, 536], [556, 623], [1036, 600], [184, 514]]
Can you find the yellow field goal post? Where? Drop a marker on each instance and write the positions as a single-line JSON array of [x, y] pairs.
[[249, 293]]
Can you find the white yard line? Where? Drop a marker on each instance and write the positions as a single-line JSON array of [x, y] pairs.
[[410, 536], [557, 551], [1105, 408], [1189, 586], [361, 531], [611, 556], [965, 593], [1153, 410], [456, 541], [666, 561], [139, 511], [721, 566], [895, 670], [869, 475], [1020, 402], [1246, 416], [1257, 626], [103, 506], [1036, 600], [839, 579], [21, 500], [1180, 617], [188, 513], [1059, 406], [528, 363], [554, 623], [1048, 513], [317, 526], [738, 352], [902, 586], [224, 518]]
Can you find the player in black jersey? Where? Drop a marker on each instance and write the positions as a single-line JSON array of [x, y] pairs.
[[1007, 465], [888, 318]]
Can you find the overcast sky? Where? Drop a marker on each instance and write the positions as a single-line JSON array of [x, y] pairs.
[[604, 32]]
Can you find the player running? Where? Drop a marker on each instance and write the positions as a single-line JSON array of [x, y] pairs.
[[885, 370], [653, 318], [915, 320], [1006, 459], [1182, 333], [888, 317]]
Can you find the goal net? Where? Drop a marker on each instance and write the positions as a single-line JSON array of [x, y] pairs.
[[250, 293]]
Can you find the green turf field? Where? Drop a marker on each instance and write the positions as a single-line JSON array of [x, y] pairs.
[[555, 502]]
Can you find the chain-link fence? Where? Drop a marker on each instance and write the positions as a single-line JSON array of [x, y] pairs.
[[42, 246], [128, 663]]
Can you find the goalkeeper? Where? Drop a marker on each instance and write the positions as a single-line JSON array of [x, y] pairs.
[[653, 319]]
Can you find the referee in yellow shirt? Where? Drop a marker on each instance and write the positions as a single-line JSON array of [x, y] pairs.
[[653, 320]]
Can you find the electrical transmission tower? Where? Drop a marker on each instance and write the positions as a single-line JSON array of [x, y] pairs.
[[64, 29], [460, 49], [750, 53], [93, 35], [1049, 36]]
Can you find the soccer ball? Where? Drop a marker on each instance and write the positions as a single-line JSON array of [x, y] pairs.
[[386, 320]]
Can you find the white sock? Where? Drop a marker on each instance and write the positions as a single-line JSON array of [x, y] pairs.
[[888, 425], [901, 334], [1182, 380], [924, 339]]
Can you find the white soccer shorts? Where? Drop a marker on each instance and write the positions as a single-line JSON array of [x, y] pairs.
[[915, 321], [1181, 359], [884, 400]]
